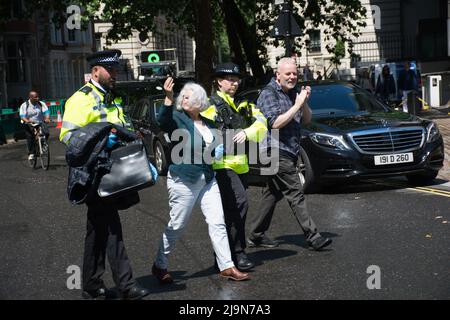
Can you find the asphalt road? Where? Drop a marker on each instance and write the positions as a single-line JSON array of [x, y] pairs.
[[403, 232]]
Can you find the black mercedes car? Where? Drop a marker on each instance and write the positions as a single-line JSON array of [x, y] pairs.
[[353, 135]]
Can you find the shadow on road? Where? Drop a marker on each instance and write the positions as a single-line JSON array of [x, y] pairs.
[[299, 240], [152, 284]]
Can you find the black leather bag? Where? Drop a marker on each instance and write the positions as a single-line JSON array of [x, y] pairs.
[[130, 172]]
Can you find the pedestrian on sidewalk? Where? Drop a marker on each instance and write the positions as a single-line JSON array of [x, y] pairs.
[[407, 82], [385, 88]]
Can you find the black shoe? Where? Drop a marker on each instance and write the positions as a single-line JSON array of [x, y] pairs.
[[319, 243], [264, 241], [243, 262], [100, 294], [135, 293]]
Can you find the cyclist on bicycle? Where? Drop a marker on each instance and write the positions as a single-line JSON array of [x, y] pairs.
[[32, 112]]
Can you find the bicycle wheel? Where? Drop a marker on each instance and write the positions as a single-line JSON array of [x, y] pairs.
[[45, 153], [32, 162]]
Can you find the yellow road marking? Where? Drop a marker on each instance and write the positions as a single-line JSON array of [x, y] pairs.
[[439, 192]]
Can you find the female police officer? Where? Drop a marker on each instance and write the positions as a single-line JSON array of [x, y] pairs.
[[245, 122]]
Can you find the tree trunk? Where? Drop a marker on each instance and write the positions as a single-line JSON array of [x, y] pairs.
[[233, 38], [204, 49], [247, 35]]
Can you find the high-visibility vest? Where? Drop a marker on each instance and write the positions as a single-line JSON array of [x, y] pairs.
[[86, 106], [255, 132]]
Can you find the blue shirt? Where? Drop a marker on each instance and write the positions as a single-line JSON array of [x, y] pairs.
[[273, 103]]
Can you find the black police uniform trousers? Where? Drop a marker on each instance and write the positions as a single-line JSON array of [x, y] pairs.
[[235, 206], [286, 183], [29, 134], [104, 237]]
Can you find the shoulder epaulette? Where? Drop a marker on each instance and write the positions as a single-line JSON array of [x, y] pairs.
[[86, 89]]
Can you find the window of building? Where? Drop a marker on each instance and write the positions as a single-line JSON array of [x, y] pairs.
[[56, 35], [314, 41], [432, 39], [56, 78], [17, 9], [71, 35], [62, 78], [98, 42], [15, 56]]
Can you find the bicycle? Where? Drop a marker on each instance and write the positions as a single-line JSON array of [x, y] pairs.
[[42, 148]]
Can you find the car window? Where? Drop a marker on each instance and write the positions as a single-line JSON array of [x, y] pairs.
[[158, 104], [342, 99], [251, 95]]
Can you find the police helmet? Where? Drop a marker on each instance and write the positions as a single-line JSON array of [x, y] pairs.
[[227, 69]]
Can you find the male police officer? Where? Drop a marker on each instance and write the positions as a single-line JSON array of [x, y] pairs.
[[95, 102], [248, 123]]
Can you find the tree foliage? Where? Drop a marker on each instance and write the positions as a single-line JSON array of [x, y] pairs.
[[247, 24]]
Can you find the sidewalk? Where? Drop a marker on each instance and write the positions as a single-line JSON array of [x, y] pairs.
[[442, 117]]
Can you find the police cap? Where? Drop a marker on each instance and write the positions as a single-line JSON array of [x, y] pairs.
[[105, 58], [227, 69]]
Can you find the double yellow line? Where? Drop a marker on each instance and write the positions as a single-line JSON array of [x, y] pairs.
[[439, 192], [434, 191]]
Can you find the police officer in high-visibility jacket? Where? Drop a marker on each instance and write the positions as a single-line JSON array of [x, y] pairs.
[[246, 123], [95, 102]]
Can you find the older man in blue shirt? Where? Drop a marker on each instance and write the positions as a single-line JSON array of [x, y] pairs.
[[285, 109]]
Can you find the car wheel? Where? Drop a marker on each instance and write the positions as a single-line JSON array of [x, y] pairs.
[[421, 179], [306, 173], [160, 158]]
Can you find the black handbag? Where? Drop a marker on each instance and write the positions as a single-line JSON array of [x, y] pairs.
[[130, 171]]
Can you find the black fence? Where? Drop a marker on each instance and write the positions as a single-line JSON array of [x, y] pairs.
[[385, 48]]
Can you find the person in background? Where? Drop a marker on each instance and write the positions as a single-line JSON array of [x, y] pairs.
[[407, 82], [31, 112], [307, 73], [319, 76], [385, 85], [189, 182], [365, 82]]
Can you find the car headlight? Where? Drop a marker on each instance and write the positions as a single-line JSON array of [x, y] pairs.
[[432, 132], [330, 140]]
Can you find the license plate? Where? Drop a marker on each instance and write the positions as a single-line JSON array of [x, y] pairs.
[[394, 158]]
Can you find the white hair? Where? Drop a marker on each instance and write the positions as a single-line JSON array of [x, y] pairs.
[[286, 61], [198, 98]]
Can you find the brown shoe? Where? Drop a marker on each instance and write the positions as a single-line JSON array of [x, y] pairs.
[[162, 275], [234, 274]]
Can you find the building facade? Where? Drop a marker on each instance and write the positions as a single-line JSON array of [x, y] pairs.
[[396, 30], [37, 54]]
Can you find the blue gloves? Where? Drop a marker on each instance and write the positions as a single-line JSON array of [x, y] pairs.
[[218, 152], [112, 140], [154, 171]]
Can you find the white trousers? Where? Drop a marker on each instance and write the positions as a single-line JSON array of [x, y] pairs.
[[182, 198]]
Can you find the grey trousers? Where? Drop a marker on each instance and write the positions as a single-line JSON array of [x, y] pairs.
[[286, 183]]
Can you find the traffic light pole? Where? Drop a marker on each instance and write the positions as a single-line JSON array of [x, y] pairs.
[[288, 36]]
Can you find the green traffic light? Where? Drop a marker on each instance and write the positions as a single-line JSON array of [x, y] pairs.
[[153, 57]]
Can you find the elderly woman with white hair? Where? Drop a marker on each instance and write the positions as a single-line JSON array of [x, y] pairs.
[[190, 181]]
